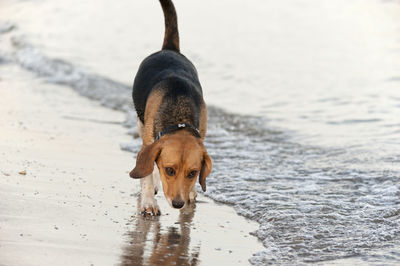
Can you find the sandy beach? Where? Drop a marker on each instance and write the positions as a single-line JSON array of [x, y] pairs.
[[66, 197], [303, 131]]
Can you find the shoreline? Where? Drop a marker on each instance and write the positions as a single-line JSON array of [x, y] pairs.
[[67, 199], [321, 201]]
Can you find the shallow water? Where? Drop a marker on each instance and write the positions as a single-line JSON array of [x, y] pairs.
[[309, 144]]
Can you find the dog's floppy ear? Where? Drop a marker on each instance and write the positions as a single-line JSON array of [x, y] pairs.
[[145, 160], [205, 170]]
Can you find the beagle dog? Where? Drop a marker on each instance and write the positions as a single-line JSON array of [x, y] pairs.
[[172, 122]]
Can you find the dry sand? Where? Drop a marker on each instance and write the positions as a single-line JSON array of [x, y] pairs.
[[66, 198]]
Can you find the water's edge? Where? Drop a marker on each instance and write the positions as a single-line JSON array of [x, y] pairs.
[[317, 208]]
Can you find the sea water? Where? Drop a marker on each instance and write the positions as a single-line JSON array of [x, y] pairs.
[[304, 105]]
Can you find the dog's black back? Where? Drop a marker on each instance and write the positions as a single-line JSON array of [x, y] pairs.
[[174, 74], [169, 71]]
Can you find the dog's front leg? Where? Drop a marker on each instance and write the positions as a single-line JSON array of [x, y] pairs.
[[148, 202]]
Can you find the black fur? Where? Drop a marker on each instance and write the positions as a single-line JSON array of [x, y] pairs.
[[171, 36], [173, 74]]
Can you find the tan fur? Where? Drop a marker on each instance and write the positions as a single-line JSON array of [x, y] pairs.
[[184, 153], [152, 106], [203, 121]]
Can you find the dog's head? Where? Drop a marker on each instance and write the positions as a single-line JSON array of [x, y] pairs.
[[180, 158]]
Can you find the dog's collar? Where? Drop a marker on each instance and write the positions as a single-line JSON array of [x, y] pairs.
[[177, 127]]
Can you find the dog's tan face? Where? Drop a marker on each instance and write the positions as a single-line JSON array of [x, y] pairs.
[[180, 158]]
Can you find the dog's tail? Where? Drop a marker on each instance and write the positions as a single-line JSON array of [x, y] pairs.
[[171, 37]]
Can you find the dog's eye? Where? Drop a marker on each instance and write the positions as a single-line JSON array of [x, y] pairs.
[[170, 171], [192, 174]]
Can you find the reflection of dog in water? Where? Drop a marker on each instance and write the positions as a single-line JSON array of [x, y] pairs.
[[172, 122], [150, 246]]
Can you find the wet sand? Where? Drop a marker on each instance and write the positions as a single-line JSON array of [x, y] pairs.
[[66, 198]]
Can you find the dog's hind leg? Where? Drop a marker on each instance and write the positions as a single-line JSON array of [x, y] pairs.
[[148, 202]]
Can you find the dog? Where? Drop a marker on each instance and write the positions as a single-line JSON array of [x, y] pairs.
[[172, 122]]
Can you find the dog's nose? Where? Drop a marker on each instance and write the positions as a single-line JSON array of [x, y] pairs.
[[177, 203]]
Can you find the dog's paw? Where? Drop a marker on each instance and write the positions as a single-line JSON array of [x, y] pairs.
[[192, 196], [149, 206]]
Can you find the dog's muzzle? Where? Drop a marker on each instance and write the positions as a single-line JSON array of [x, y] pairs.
[[178, 203]]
